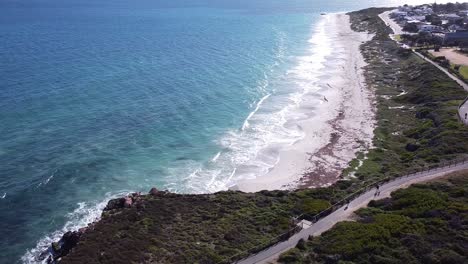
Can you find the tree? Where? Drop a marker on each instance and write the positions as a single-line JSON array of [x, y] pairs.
[[411, 27]]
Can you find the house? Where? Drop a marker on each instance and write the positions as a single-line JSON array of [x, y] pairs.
[[455, 28], [456, 38], [463, 13], [398, 14], [430, 28], [416, 18], [451, 18], [405, 8], [423, 11]]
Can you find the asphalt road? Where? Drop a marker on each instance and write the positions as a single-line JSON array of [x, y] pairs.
[[397, 30]]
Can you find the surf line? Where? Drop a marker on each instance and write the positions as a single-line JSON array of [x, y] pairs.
[[246, 122]]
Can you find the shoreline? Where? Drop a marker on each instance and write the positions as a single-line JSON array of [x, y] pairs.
[[342, 126], [329, 116], [387, 150]]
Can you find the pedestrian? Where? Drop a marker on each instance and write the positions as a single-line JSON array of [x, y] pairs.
[[466, 116], [347, 205]]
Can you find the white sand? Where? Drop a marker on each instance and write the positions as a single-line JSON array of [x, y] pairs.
[[346, 93]]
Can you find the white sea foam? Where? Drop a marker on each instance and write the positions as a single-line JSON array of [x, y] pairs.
[[215, 158], [83, 215], [248, 152], [272, 125], [259, 104]]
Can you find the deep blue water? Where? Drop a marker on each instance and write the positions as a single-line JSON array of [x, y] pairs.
[[99, 98]]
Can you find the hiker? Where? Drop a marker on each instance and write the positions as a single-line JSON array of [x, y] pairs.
[[466, 115]]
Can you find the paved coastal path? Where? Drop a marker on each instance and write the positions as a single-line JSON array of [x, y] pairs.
[[463, 109], [271, 254]]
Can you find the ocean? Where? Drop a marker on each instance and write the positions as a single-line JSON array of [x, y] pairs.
[[101, 98]]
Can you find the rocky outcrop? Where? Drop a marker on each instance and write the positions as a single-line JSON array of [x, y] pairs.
[[115, 204], [154, 191], [61, 248], [70, 239], [124, 202]]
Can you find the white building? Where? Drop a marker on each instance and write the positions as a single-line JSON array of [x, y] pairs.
[[463, 13], [451, 17]]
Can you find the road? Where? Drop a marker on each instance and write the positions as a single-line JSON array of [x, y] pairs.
[[397, 30], [271, 254], [463, 110]]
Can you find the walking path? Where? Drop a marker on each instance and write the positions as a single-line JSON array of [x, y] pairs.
[[271, 254], [463, 109], [453, 77]]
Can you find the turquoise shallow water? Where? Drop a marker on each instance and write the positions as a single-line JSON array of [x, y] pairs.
[[99, 98]]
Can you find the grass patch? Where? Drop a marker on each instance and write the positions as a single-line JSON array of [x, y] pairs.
[[464, 71]]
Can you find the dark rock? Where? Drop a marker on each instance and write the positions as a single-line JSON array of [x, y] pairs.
[[154, 191], [411, 147], [135, 195], [60, 249], [115, 204], [70, 239]]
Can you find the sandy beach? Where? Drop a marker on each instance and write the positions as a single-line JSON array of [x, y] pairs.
[[343, 122]]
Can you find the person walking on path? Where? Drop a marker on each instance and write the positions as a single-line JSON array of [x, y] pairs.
[[347, 204]]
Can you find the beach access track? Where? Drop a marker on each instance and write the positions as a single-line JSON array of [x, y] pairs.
[[346, 211]]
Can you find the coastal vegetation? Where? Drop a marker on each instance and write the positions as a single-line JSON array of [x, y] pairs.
[[417, 128], [425, 223], [417, 118], [173, 228]]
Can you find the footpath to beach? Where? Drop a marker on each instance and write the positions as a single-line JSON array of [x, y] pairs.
[[346, 211], [397, 30]]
